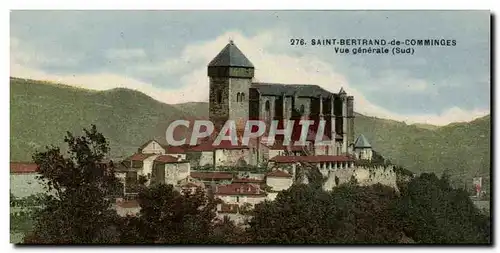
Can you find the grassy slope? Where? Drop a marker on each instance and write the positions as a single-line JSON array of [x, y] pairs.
[[40, 114], [463, 149]]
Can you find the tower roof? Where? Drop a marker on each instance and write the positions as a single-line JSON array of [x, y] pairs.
[[362, 142], [342, 91], [231, 56]]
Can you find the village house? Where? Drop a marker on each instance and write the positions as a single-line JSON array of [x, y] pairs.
[[239, 193], [23, 180], [159, 148], [153, 168], [278, 180]]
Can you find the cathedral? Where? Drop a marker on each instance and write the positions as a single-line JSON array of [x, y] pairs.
[[235, 96]]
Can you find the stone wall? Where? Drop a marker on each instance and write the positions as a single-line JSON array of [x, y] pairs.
[[267, 115], [364, 175], [279, 183], [306, 102], [175, 172], [239, 109], [206, 158], [232, 157], [363, 153], [147, 167], [219, 110]]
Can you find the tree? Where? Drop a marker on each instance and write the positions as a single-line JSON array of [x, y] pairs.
[[77, 209], [432, 211], [168, 216], [245, 209], [348, 214], [227, 232], [363, 214]]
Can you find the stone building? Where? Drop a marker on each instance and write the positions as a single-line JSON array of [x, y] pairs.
[[239, 193], [155, 168], [235, 96], [363, 149]]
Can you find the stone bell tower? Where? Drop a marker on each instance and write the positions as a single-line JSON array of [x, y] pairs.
[[230, 74]]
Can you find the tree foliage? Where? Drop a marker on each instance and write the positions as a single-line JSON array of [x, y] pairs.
[[349, 214], [428, 211], [434, 212], [168, 216], [78, 210]]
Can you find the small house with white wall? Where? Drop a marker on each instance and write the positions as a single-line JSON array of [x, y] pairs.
[[23, 180], [278, 180], [239, 193], [155, 168], [168, 169]]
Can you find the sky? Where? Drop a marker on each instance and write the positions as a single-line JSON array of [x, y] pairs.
[[164, 54]]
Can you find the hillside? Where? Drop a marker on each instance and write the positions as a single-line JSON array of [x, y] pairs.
[[41, 112], [462, 149]]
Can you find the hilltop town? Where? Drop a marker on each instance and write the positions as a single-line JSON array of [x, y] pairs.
[[241, 174], [245, 175]]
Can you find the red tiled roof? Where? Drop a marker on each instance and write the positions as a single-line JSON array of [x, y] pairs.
[[226, 144], [22, 168], [248, 180], [238, 189], [211, 175], [278, 173], [206, 146], [311, 159], [138, 157], [176, 149], [166, 159]]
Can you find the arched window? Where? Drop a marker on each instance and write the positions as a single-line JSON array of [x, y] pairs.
[[238, 97], [302, 109], [268, 106], [242, 97], [219, 96]]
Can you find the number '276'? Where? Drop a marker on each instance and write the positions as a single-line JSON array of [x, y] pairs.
[[297, 42]]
